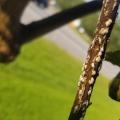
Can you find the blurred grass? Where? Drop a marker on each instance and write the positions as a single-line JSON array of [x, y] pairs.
[[84, 35], [41, 85]]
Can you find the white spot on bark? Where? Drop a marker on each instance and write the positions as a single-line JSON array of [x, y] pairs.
[[103, 31], [83, 73], [93, 42], [102, 49], [100, 40], [106, 13], [93, 72], [76, 108], [114, 5], [100, 53], [88, 57], [82, 79], [85, 66], [91, 81], [86, 103], [92, 65], [79, 83], [108, 22], [98, 59], [89, 92], [80, 92]]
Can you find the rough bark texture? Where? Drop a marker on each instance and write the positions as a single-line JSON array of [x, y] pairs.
[[94, 59]]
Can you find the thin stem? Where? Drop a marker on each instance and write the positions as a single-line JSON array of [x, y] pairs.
[[94, 59], [35, 29], [20, 34]]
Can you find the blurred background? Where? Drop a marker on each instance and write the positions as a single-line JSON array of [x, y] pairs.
[[42, 82]]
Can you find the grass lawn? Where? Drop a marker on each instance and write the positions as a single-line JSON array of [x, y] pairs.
[[41, 85]]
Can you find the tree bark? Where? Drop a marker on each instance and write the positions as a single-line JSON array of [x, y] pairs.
[[94, 59]]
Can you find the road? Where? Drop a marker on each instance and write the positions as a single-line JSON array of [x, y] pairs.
[[65, 38]]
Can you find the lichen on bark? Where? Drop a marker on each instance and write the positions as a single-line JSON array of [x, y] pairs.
[[94, 59]]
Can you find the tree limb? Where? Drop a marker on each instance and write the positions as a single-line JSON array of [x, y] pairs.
[[94, 59], [39, 28], [20, 34]]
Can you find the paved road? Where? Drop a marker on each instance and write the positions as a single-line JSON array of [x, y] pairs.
[[65, 38]]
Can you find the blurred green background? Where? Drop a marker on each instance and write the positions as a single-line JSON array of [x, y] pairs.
[[41, 85]]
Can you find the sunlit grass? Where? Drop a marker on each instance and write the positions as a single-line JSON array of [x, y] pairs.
[[41, 85]]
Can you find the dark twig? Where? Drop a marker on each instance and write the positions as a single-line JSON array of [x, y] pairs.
[[20, 34], [39, 28], [94, 59]]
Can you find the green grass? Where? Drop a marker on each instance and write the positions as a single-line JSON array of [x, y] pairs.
[[41, 85]]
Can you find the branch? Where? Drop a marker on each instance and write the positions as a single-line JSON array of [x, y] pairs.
[[39, 28], [20, 34], [94, 59]]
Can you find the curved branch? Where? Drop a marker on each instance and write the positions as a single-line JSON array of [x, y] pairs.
[[20, 34], [39, 28], [94, 59]]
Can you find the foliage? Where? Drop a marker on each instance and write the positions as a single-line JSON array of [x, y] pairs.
[[89, 22], [114, 88], [113, 57], [64, 4], [115, 39], [40, 84]]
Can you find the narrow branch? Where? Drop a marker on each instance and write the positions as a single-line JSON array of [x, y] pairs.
[[39, 28], [20, 34], [94, 59]]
